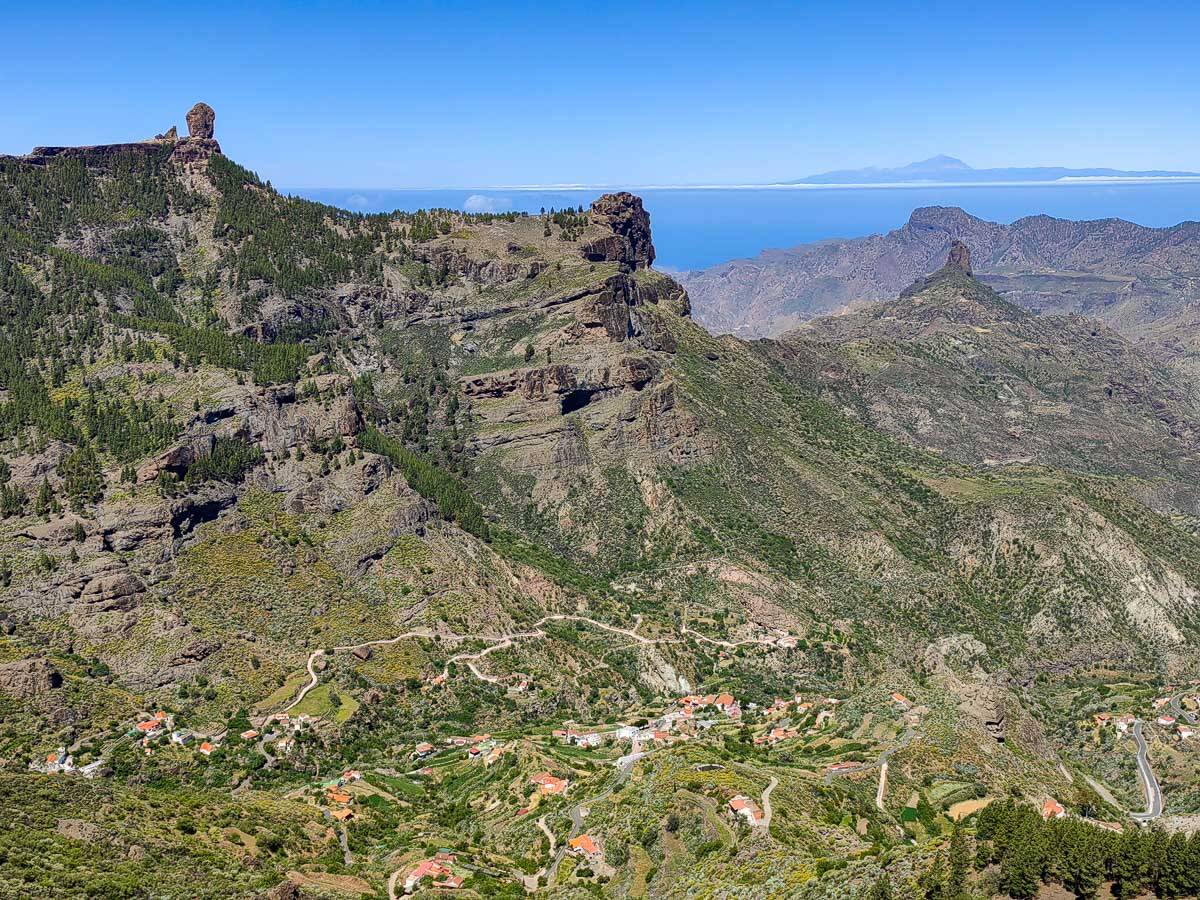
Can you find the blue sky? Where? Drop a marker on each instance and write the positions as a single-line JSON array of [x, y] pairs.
[[393, 95]]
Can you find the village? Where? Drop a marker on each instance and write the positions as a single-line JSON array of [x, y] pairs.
[[567, 769]]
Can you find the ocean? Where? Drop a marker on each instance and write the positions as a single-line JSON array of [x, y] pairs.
[[699, 227]]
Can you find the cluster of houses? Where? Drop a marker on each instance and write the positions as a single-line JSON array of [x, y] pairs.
[[287, 727], [337, 798], [439, 870], [1124, 722], [61, 762], [777, 734], [479, 746], [745, 808], [723, 703]]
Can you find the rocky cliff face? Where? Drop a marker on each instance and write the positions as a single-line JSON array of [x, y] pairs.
[[1126, 274], [629, 243]]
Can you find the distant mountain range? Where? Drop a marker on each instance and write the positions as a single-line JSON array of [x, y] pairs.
[[1136, 279], [948, 169]]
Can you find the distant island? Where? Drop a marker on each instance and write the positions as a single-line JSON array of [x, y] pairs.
[[948, 169]]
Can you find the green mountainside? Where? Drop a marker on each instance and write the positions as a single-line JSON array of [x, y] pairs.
[[330, 542]]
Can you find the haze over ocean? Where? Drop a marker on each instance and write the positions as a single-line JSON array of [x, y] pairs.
[[696, 228]]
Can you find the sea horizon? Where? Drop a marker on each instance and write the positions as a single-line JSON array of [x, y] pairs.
[[700, 226]]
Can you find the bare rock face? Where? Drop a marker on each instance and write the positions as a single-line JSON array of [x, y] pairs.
[[200, 121], [630, 242], [960, 257], [29, 679]]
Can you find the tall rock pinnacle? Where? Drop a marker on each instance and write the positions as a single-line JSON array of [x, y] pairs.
[[200, 121], [630, 242], [960, 257]]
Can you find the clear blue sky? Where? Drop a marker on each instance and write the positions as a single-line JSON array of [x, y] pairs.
[[393, 95]]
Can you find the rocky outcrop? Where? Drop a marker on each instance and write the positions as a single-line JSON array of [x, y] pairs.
[[200, 121], [177, 459], [630, 241], [959, 258], [32, 680]]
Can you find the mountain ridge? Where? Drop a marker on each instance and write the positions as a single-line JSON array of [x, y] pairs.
[[1127, 274], [335, 549], [943, 168]]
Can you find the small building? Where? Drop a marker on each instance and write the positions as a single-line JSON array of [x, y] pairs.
[[549, 784], [249, 734], [206, 748], [745, 808], [426, 868], [583, 846], [1052, 809], [1165, 721], [343, 815], [181, 737], [422, 750]]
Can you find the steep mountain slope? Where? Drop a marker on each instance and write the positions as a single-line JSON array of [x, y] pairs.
[[954, 366], [1127, 275], [324, 487]]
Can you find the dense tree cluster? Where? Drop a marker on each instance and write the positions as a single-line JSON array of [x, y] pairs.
[[451, 495], [268, 363], [1031, 851], [229, 460], [295, 244]]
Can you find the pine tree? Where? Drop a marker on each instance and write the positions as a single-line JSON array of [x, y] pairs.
[[45, 498], [933, 879], [960, 863]]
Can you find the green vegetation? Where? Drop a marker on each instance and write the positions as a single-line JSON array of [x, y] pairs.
[[453, 499], [1031, 851]]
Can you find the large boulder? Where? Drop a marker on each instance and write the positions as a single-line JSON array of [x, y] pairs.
[[201, 119]]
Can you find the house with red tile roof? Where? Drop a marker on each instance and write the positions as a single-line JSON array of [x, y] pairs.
[[583, 846], [343, 815], [1052, 809], [548, 784], [428, 868], [206, 748], [743, 806]]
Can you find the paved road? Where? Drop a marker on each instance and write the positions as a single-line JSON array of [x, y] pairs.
[[1154, 798], [1180, 712], [883, 772], [766, 803]]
